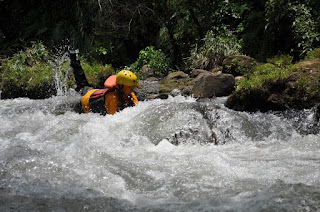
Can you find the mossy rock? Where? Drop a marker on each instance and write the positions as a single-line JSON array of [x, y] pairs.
[[264, 99], [166, 86], [298, 87], [238, 65]]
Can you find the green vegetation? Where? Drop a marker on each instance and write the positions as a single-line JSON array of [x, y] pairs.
[[97, 73], [27, 73], [156, 59], [262, 75], [114, 32], [239, 65], [277, 85], [281, 60], [167, 36], [31, 73], [313, 54], [214, 50]]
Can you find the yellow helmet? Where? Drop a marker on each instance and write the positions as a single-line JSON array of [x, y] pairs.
[[126, 77]]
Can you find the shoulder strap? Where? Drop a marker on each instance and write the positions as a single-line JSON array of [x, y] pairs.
[[101, 93]]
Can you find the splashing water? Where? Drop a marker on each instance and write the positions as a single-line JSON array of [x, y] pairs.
[[157, 156], [127, 162], [62, 74]]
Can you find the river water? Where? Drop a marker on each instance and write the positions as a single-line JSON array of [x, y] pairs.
[[53, 159]]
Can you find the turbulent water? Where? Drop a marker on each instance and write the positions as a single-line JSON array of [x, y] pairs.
[[157, 156]]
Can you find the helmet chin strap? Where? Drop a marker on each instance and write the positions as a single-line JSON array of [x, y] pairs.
[[120, 87], [122, 98]]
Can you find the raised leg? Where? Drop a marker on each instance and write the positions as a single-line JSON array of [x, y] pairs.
[[78, 72]]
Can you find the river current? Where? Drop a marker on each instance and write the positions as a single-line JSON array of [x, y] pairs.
[[157, 156]]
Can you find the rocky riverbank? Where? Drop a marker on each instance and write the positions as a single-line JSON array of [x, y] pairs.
[[295, 86], [249, 85]]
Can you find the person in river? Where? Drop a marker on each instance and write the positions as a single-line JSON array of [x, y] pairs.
[[117, 94]]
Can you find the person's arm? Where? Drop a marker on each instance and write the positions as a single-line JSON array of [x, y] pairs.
[[111, 103]]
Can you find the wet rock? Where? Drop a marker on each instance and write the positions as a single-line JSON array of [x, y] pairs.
[[186, 91], [158, 96], [202, 74], [317, 113], [196, 72], [213, 85], [151, 79], [259, 100], [175, 92], [177, 75], [146, 89], [181, 84]]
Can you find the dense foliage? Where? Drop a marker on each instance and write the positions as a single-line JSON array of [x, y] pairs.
[[28, 74], [114, 31], [214, 50], [153, 58]]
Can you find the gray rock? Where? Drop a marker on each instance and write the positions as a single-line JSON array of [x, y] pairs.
[[147, 88], [147, 72], [177, 75], [213, 85], [196, 72]]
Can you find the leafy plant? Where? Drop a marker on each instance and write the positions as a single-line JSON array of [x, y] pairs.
[[156, 59], [298, 33], [313, 54], [281, 60], [214, 50], [304, 27]]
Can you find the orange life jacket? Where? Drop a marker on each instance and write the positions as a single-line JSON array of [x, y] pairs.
[[94, 100]]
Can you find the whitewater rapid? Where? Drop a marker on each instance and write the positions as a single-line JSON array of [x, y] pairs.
[[54, 159]]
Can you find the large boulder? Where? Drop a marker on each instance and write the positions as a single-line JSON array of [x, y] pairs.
[[213, 85]]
